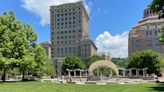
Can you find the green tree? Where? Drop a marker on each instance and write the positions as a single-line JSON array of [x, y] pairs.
[[8, 26], [50, 68], [161, 35], [24, 46], [92, 59], [72, 62], [18, 47], [145, 59], [40, 60], [158, 7], [120, 62]]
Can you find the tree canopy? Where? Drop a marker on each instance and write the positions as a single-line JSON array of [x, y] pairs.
[[72, 62], [120, 62], [18, 47], [145, 59], [158, 7], [92, 59]]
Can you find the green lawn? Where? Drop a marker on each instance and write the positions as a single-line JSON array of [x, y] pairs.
[[53, 87]]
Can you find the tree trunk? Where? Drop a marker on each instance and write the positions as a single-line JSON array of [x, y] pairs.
[[4, 75], [23, 77]]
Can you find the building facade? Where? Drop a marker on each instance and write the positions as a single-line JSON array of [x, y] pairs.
[[144, 35], [69, 24], [47, 48]]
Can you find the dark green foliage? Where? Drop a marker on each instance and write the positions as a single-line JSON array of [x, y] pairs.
[[158, 7], [145, 59], [50, 68], [161, 35], [18, 46], [120, 62], [92, 59], [72, 62]]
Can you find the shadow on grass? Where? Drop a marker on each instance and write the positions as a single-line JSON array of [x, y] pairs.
[[158, 88]]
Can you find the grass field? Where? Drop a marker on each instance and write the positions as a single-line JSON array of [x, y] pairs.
[[53, 87]]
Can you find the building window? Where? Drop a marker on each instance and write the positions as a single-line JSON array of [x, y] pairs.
[[74, 49], [69, 22], [61, 41], [58, 50], [155, 32], [70, 50], [65, 50], [65, 23], [73, 9], [150, 32], [62, 50], [58, 32], [85, 45], [70, 37], [147, 33]]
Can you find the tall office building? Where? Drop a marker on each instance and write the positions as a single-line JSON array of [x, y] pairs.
[[144, 35], [70, 32], [47, 48]]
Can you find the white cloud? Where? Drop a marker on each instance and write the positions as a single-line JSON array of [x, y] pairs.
[[41, 7], [116, 45]]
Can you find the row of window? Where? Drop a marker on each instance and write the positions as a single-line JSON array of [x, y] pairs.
[[67, 18], [66, 42], [66, 27], [150, 42], [66, 10], [66, 50], [65, 23], [62, 37], [152, 32], [65, 32], [68, 14]]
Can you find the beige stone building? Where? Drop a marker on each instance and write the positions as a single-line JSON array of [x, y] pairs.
[[47, 48], [70, 33], [144, 35]]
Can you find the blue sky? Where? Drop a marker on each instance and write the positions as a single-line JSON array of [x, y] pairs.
[[110, 20]]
